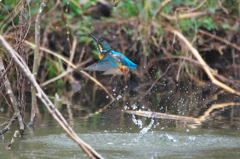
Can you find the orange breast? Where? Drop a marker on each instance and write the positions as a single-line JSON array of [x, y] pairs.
[[100, 47], [100, 55], [122, 66]]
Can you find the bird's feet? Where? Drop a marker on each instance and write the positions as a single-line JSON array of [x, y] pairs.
[[124, 71]]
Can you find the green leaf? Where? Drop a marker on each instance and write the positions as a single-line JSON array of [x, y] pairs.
[[139, 38], [95, 52], [160, 30], [158, 96], [52, 71], [200, 41], [212, 10], [34, 10], [83, 39], [235, 28], [226, 26], [195, 71], [158, 73], [87, 4]]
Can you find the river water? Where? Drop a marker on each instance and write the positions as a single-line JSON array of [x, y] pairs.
[[116, 134]]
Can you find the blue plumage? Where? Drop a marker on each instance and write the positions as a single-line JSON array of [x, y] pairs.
[[124, 60], [110, 60]]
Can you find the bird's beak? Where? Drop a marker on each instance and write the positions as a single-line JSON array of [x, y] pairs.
[[94, 38]]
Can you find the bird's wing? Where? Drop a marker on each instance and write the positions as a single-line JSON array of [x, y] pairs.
[[124, 60], [106, 63]]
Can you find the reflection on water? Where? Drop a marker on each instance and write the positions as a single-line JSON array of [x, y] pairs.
[[116, 134]]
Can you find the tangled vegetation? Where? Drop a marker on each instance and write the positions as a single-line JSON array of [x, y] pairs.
[[176, 44]]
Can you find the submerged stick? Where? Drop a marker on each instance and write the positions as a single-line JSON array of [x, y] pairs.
[[215, 106], [199, 120], [13, 138], [151, 114], [51, 108]]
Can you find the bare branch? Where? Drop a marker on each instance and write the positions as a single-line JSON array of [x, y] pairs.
[[36, 59]]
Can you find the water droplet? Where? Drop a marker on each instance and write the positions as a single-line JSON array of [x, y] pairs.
[[134, 106], [118, 97]]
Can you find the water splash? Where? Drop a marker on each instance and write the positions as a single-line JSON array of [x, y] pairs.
[[145, 130]]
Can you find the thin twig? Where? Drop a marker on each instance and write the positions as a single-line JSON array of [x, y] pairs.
[[99, 110], [166, 2], [220, 39], [186, 15], [8, 67], [37, 37], [6, 101], [154, 83], [224, 9], [72, 51], [56, 99], [64, 73], [11, 19], [3, 131], [36, 59]]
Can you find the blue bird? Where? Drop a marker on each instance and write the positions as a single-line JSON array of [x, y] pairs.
[[110, 61]]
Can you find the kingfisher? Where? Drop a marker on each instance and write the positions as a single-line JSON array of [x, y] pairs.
[[111, 62]]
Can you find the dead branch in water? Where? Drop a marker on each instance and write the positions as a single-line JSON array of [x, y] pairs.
[[13, 138], [43, 97], [151, 114], [199, 120]]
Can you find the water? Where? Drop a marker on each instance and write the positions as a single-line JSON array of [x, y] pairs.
[[166, 144], [115, 134]]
